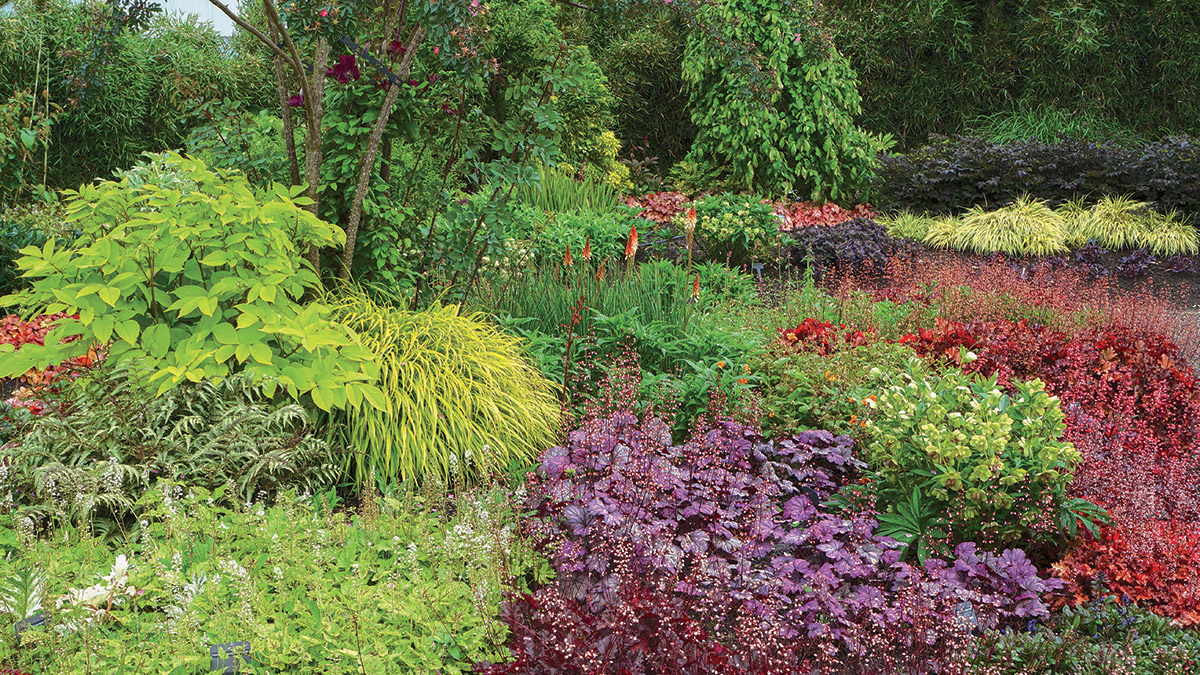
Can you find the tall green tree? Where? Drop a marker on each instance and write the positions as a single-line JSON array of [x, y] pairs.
[[777, 117]]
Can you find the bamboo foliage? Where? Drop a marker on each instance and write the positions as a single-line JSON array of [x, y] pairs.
[[461, 398]]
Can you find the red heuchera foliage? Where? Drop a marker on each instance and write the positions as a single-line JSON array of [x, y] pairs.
[[16, 331], [821, 336], [1065, 299], [1133, 410], [660, 207], [807, 214], [1156, 563]]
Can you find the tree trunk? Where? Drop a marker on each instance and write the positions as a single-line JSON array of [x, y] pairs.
[[368, 158]]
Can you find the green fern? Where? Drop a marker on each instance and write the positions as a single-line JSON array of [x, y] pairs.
[[106, 440]]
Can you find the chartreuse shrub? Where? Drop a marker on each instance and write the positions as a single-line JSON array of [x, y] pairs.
[[194, 285], [398, 588], [459, 396], [100, 445], [782, 121], [908, 225], [1027, 227], [953, 458]]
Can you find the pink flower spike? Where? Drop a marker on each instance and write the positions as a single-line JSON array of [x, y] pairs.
[[324, 12], [435, 50]]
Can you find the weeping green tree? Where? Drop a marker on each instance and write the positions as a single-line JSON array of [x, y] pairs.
[[777, 117]]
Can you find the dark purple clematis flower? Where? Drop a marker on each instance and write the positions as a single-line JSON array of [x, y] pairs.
[[412, 83], [396, 48], [433, 78], [448, 110], [345, 70], [296, 100]]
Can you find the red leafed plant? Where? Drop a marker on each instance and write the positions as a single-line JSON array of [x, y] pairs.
[[806, 214], [820, 336], [659, 207], [16, 331], [1132, 408], [1156, 563]]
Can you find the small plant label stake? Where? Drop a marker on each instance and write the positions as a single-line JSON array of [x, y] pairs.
[[228, 665], [35, 621], [966, 611]]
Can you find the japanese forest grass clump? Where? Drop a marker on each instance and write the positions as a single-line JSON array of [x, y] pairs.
[[1027, 227], [460, 397]]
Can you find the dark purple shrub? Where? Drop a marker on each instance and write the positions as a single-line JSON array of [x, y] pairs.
[[1089, 254], [1181, 264], [1136, 264], [855, 245], [732, 526]]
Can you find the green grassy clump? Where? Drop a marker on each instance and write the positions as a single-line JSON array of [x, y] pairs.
[[460, 395]]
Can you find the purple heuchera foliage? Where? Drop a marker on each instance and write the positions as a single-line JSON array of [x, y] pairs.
[[733, 523], [999, 586]]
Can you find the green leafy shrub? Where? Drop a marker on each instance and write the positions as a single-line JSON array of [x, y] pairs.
[[736, 227], [1027, 227], [91, 455], [459, 396], [193, 286], [14, 237], [955, 449], [783, 122], [399, 587]]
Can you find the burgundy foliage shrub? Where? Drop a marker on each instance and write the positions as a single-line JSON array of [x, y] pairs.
[[729, 530]]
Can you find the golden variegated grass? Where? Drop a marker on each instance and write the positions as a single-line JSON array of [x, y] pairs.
[[463, 401], [1027, 227], [908, 225], [1116, 223]]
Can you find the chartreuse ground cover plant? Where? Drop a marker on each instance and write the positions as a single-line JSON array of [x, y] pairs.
[[459, 395], [1025, 227], [193, 284], [399, 587]]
